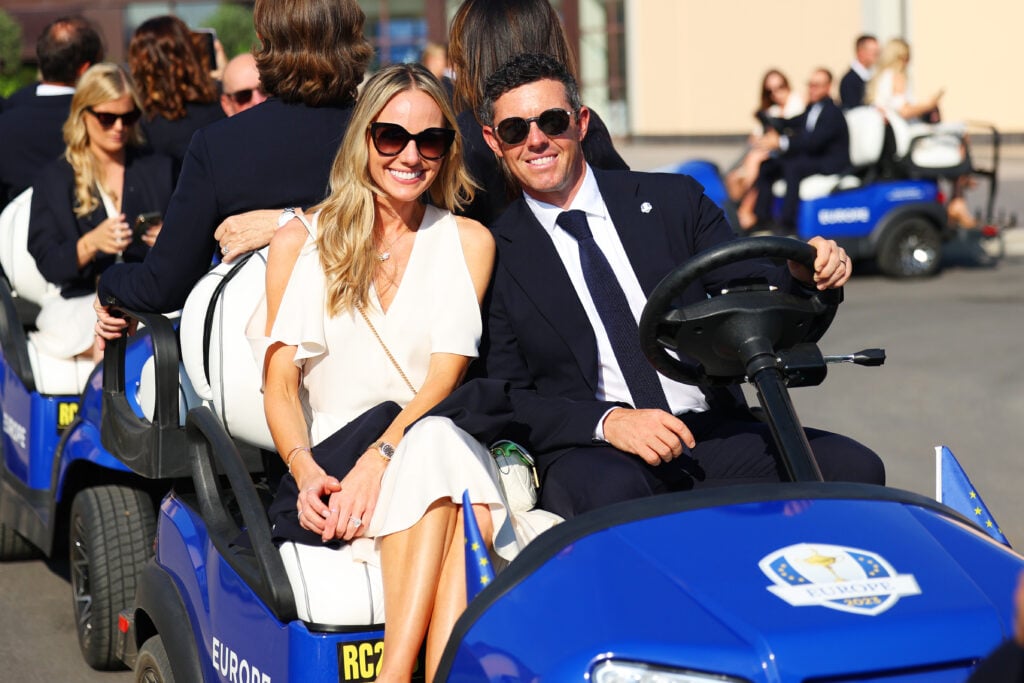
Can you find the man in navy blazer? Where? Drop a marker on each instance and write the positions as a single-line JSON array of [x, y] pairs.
[[274, 156], [545, 330], [854, 83], [32, 122], [817, 141]]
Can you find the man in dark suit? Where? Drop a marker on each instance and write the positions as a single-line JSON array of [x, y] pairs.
[[817, 141], [602, 425], [33, 118], [278, 154], [854, 83]]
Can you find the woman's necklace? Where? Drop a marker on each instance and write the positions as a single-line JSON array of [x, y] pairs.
[[386, 254]]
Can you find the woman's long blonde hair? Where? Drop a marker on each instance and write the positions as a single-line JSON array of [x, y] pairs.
[[348, 215], [895, 56], [101, 83]]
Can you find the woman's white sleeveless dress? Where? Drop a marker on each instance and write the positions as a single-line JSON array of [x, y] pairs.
[[345, 372]]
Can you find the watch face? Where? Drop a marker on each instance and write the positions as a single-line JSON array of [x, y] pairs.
[[387, 449]]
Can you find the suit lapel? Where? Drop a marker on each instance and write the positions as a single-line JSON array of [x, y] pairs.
[[530, 258], [641, 223]]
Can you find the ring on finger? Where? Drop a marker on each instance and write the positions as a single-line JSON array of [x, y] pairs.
[[355, 521], [225, 249]]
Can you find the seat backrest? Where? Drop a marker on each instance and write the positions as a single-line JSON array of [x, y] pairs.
[[19, 266], [867, 135], [215, 353]]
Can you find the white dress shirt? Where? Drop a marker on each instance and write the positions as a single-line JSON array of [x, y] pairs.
[[611, 386]]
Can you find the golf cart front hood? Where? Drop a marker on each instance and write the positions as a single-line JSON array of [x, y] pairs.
[[776, 590]]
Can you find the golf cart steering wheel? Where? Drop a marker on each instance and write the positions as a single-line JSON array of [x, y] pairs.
[[723, 332]]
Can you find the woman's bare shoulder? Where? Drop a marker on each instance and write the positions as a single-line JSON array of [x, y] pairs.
[[474, 235]]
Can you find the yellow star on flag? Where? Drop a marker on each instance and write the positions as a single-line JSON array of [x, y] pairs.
[[973, 495], [476, 546], [484, 580], [977, 511], [483, 562], [988, 523]]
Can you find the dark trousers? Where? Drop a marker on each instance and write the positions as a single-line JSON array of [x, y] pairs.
[[731, 449], [792, 170]]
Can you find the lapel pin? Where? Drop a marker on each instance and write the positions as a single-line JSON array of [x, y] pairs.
[[646, 207]]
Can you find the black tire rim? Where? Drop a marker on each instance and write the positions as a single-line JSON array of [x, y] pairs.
[[80, 584]]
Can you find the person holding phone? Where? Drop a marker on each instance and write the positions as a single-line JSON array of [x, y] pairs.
[[177, 90], [99, 204]]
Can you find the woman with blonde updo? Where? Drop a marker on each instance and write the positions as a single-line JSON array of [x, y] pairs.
[[86, 206]]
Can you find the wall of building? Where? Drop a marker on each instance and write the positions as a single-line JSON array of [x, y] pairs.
[[695, 67]]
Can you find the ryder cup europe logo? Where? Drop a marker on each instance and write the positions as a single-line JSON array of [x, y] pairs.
[[837, 577]]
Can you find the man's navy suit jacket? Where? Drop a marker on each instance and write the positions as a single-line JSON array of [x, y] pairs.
[[827, 147], [851, 90], [31, 128], [539, 337], [274, 155]]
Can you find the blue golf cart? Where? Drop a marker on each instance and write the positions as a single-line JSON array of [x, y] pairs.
[[61, 490], [799, 581], [889, 207]]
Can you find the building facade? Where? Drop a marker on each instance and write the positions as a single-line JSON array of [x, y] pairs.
[[671, 68]]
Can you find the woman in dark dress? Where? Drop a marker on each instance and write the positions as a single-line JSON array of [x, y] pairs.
[[177, 90], [85, 205], [485, 34]]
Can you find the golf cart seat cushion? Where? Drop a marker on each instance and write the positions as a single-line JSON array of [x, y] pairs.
[[215, 352], [929, 147], [867, 139], [815, 186], [25, 278], [56, 376], [187, 397], [866, 126], [331, 587]]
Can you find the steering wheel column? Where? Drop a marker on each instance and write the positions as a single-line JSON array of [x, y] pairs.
[[751, 332]]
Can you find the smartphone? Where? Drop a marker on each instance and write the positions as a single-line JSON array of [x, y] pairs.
[[145, 221], [208, 38]]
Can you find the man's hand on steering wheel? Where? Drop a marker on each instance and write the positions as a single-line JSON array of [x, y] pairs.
[[832, 267]]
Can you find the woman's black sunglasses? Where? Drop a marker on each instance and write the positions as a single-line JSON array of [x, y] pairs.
[[390, 139], [107, 120], [515, 129]]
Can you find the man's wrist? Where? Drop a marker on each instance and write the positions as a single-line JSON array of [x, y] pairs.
[[599, 430]]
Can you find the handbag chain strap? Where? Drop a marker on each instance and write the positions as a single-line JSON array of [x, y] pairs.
[[387, 351]]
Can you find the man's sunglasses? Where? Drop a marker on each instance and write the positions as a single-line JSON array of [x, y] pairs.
[[243, 97], [515, 129], [390, 139], [107, 120]]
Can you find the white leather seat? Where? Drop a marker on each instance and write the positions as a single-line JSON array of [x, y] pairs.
[[866, 126], [52, 374], [332, 588], [929, 147], [233, 386], [25, 278], [145, 394]]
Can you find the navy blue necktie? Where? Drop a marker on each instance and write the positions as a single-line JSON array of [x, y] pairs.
[[613, 307]]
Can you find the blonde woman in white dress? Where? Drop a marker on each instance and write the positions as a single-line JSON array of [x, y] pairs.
[[375, 267]]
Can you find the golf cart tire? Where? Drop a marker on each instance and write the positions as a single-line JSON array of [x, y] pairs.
[[13, 545], [153, 665], [912, 248], [111, 537]]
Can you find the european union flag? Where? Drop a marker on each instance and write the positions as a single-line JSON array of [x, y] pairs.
[[954, 489], [479, 571]]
